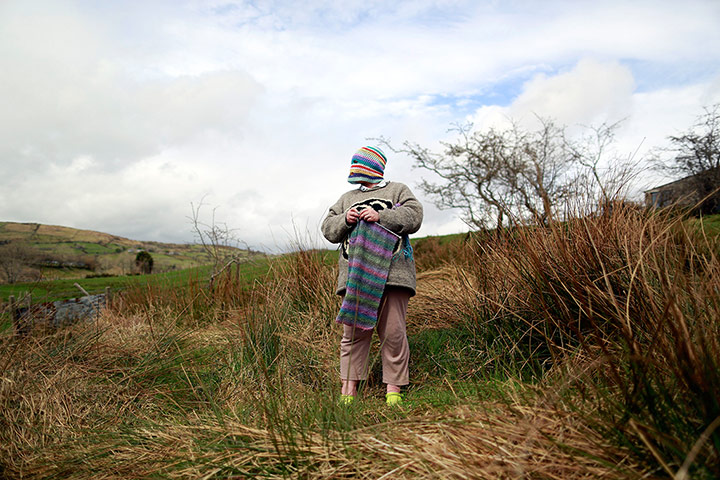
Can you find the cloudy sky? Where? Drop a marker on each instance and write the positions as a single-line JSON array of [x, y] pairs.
[[117, 116]]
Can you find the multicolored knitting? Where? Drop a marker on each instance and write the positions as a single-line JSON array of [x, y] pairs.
[[370, 253], [367, 165]]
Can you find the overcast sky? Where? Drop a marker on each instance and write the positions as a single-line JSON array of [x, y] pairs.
[[116, 116]]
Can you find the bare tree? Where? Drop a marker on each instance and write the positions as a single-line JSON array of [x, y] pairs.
[[14, 261], [218, 241], [540, 170], [472, 173], [603, 174], [498, 176], [696, 154]]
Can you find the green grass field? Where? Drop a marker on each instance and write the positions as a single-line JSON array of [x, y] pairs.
[[51, 290], [710, 224]]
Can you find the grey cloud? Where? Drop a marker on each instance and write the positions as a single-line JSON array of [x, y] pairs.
[[67, 91]]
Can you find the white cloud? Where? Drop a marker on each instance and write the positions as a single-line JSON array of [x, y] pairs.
[[591, 93], [124, 114]]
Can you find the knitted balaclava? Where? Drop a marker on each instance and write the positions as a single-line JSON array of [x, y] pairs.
[[367, 165]]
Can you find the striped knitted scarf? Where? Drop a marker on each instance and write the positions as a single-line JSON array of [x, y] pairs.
[[370, 253]]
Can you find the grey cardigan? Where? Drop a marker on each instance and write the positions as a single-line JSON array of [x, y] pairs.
[[399, 212]]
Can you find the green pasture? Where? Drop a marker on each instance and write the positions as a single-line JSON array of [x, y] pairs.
[[62, 289], [710, 224], [66, 288]]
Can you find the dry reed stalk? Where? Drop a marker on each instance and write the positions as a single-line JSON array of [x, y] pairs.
[[444, 296], [58, 427], [635, 293], [486, 441]]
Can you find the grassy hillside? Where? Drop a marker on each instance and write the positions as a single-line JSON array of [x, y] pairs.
[[63, 252], [585, 350]]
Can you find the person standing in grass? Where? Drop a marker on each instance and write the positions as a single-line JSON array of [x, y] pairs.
[[376, 271]]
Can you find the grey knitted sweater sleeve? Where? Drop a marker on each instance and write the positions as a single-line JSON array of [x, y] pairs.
[[406, 217], [334, 227]]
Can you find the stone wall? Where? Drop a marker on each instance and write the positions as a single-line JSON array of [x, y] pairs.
[[59, 313]]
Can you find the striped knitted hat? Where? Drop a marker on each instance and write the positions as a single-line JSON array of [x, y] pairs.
[[367, 165]]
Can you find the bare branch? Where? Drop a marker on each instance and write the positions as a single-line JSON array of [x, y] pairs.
[[696, 154], [501, 175], [217, 240]]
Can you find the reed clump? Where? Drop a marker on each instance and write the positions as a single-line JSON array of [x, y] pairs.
[[635, 291]]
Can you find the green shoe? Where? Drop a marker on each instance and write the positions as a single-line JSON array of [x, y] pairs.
[[347, 399], [393, 398]]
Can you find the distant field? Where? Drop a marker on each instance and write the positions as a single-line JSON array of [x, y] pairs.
[[96, 261], [51, 290], [61, 289], [101, 252], [68, 247]]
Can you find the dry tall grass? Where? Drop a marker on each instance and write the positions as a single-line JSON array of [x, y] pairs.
[[137, 400], [583, 350], [636, 293]]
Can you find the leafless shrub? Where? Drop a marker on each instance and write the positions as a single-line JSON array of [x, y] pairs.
[[16, 262], [219, 242], [503, 176]]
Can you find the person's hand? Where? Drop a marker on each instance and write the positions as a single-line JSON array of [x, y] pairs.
[[369, 215], [352, 216]]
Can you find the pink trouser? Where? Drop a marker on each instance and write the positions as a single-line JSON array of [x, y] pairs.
[[355, 343]]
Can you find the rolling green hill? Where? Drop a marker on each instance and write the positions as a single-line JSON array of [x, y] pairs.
[[58, 252]]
